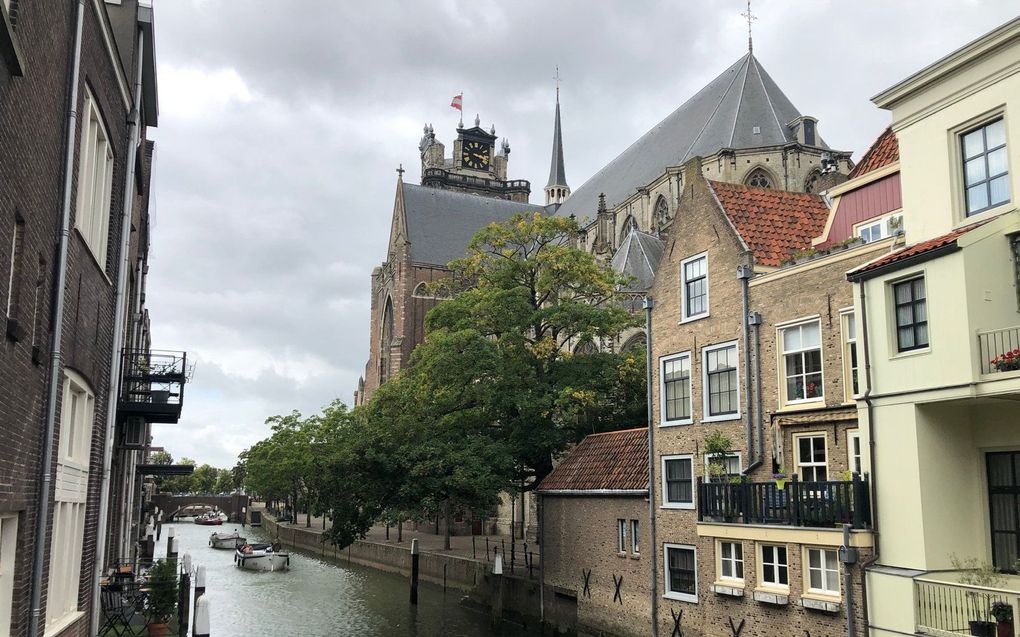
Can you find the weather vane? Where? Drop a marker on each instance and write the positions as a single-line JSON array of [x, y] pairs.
[[750, 17]]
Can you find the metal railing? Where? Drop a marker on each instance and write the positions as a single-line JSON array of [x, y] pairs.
[[131, 602], [515, 184], [948, 609], [792, 502], [999, 350], [152, 383]]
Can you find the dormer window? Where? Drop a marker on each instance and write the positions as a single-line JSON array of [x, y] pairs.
[[985, 167]]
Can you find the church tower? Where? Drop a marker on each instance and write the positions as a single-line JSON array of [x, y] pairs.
[[557, 190]]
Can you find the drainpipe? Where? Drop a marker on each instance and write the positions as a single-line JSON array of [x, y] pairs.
[[121, 305], [653, 543], [755, 319], [45, 468], [744, 273], [871, 452]]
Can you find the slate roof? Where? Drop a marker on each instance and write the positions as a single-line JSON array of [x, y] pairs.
[[721, 115], [440, 223], [638, 256], [884, 151], [773, 223], [930, 248], [612, 461], [557, 173]]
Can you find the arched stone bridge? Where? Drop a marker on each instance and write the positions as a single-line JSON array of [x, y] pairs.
[[232, 504]]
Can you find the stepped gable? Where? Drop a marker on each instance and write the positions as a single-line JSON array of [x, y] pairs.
[[612, 461], [441, 223], [773, 223], [884, 151], [721, 115]]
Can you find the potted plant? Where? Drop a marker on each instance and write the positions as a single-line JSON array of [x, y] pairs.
[[981, 575], [717, 448], [162, 583], [780, 478], [1003, 614], [1007, 362]]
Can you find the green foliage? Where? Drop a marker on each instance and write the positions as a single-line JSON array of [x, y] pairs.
[[163, 596]]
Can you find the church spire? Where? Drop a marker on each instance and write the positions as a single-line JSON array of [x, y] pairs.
[[557, 189]]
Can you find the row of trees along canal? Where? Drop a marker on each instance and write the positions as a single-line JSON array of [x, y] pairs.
[[488, 401], [204, 479]]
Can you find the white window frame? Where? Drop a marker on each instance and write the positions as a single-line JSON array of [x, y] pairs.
[[675, 595], [664, 422], [733, 560], [887, 226], [92, 210], [781, 363], [773, 585], [77, 416], [17, 237], [65, 565], [8, 555], [621, 536], [826, 553], [738, 456], [811, 464], [705, 388], [635, 529], [666, 504], [853, 438], [845, 317], [685, 315]]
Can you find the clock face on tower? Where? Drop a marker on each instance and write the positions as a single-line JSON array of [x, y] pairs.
[[475, 155]]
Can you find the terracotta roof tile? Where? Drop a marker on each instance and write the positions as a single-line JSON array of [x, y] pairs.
[[884, 151], [773, 223], [617, 460], [912, 251]]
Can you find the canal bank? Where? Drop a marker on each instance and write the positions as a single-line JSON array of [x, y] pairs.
[[518, 595]]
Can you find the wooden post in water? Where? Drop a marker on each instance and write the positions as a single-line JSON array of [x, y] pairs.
[[414, 572], [171, 546], [202, 617], [497, 589], [199, 592]]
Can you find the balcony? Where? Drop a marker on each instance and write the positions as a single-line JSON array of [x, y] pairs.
[[803, 504], [438, 175], [950, 609], [152, 385], [999, 350]]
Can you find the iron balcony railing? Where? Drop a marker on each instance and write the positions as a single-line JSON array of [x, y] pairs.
[[791, 503], [512, 185], [950, 609], [999, 350], [152, 385]]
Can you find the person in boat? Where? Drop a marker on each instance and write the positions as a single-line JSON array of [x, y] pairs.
[[246, 548]]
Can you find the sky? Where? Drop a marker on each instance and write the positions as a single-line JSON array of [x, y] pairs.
[[282, 125]]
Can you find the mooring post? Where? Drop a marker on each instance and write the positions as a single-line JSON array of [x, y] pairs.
[[159, 522], [497, 589], [202, 617], [414, 571], [199, 592], [171, 545], [473, 556], [183, 596], [513, 554]]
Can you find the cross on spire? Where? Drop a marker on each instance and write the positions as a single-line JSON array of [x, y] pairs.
[[400, 171], [750, 18]]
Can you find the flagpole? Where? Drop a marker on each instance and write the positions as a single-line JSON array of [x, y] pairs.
[[460, 124]]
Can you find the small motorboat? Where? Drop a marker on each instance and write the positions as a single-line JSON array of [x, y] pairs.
[[210, 519], [221, 540], [261, 557]]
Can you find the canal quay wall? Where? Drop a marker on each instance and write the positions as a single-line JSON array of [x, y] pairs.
[[520, 594]]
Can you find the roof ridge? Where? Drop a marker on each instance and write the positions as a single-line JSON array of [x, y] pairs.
[[644, 254], [736, 111], [617, 431], [711, 117], [768, 98]]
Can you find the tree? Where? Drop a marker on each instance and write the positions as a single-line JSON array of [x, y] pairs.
[[160, 457], [224, 481], [180, 484], [203, 480]]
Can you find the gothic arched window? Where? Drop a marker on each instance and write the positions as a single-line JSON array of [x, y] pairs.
[[586, 347], [811, 184], [759, 179], [385, 340], [661, 214], [634, 343], [421, 291], [628, 225]]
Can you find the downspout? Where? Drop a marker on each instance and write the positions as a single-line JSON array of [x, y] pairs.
[[872, 481], [121, 305], [755, 320], [541, 559], [653, 542], [744, 273], [45, 474]]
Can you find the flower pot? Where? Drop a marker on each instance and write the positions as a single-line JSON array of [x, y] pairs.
[[1004, 629], [982, 629], [158, 630], [780, 483], [160, 396]]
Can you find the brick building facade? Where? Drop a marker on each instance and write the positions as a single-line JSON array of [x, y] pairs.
[[70, 153]]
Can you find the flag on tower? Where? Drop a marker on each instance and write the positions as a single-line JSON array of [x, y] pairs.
[[458, 102]]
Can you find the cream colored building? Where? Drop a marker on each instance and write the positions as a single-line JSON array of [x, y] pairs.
[[943, 419]]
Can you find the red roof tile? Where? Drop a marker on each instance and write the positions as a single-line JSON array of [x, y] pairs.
[[617, 460], [912, 251], [773, 223], [884, 151]]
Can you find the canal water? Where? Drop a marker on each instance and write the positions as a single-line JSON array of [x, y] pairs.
[[319, 598]]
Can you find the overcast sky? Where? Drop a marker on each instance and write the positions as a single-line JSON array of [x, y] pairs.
[[282, 123]]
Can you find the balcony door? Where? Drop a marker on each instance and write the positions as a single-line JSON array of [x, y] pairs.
[[1004, 507]]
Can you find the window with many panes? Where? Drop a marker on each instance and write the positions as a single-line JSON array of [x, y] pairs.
[[911, 314], [731, 560], [676, 389], [694, 287], [811, 461], [95, 181], [681, 572], [985, 167], [721, 394], [678, 482], [802, 362], [851, 386], [724, 466], [822, 571], [775, 569]]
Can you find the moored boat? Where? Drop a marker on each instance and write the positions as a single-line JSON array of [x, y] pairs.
[[261, 557], [222, 540], [209, 520]]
